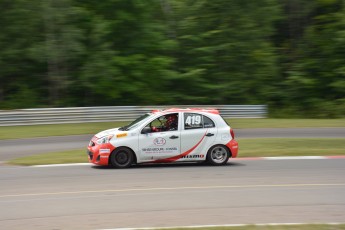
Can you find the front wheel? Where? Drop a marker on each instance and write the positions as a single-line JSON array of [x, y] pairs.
[[121, 158], [218, 155]]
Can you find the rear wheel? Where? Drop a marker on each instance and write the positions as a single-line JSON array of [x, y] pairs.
[[218, 155], [121, 158]]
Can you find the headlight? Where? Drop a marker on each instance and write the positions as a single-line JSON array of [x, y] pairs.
[[104, 139], [91, 143]]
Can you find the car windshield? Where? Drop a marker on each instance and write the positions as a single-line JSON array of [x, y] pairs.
[[136, 122]]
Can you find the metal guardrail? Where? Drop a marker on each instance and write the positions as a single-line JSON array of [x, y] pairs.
[[113, 113]]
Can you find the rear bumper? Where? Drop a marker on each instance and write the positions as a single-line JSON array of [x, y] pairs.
[[233, 146]]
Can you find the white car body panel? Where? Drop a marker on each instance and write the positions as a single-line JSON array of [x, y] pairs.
[[183, 144]]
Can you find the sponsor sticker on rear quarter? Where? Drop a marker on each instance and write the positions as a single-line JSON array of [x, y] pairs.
[[225, 137]]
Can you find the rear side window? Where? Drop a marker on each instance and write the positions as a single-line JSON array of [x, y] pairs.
[[208, 123], [197, 121]]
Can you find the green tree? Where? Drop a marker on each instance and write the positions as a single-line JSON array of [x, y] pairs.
[[225, 52], [38, 54], [19, 25], [128, 58], [61, 46], [314, 82], [288, 54]]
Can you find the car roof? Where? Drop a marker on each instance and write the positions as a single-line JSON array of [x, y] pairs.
[[188, 110]]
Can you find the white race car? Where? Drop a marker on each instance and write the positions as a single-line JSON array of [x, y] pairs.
[[162, 136]]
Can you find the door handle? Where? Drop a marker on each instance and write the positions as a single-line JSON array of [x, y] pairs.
[[173, 137], [209, 135]]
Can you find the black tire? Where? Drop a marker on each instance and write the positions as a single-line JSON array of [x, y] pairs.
[[121, 158], [218, 155]]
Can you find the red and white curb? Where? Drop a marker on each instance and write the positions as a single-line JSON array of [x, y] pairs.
[[232, 159], [225, 225], [290, 158]]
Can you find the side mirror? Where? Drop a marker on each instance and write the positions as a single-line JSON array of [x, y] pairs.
[[146, 130]]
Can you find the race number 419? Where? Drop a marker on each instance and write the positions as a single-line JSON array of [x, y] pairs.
[[193, 120]]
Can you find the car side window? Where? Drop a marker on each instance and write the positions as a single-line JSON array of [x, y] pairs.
[[193, 121], [197, 121], [208, 123], [163, 123]]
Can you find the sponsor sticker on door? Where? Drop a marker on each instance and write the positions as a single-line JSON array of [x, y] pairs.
[[159, 141], [160, 150]]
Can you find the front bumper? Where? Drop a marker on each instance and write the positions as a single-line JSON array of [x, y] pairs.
[[99, 154]]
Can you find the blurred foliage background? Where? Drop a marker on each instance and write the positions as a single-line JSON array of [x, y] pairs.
[[288, 54]]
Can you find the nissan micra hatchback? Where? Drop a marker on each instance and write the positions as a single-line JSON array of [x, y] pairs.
[[165, 136]]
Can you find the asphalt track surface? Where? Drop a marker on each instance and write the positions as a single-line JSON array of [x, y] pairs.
[[241, 192], [23, 147]]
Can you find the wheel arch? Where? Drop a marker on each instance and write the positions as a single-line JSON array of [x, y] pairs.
[[208, 150], [229, 151], [219, 158], [126, 147]]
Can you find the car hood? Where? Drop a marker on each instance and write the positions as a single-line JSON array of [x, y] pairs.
[[108, 132]]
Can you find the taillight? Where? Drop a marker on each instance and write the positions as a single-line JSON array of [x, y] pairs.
[[232, 133]]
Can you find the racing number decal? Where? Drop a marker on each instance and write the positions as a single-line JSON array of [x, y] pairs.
[[193, 119]]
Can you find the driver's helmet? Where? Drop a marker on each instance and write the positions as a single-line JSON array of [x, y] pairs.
[[171, 122]]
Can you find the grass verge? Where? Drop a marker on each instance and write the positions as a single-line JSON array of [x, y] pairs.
[[272, 147], [31, 131], [64, 157], [284, 123], [269, 147]]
